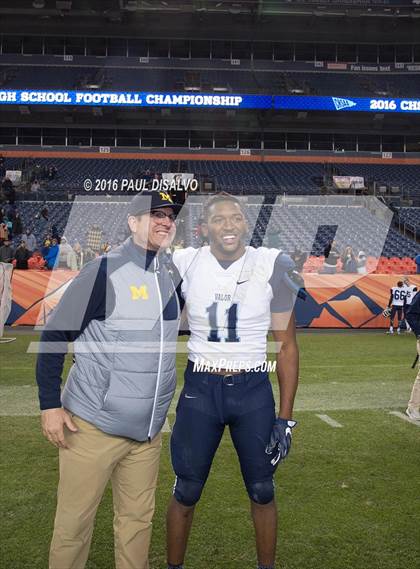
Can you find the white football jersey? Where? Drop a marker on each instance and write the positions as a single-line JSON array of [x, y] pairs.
[[410, 291], [398, 295], [229, 309]]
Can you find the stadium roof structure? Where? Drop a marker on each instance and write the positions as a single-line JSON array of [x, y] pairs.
[[115, 9]]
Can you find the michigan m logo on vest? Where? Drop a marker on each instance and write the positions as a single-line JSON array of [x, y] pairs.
[[139, 292]]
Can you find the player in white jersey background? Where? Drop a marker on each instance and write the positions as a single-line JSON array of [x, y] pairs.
[[410, 292], [233, 294], [396, 304]]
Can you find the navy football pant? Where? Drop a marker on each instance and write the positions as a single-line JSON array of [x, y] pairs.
[[206, 405], [396, 310]]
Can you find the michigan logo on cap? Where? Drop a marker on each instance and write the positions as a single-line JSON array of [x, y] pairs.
[[166, 197]]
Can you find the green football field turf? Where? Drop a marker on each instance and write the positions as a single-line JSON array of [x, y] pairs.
[[348, 497]]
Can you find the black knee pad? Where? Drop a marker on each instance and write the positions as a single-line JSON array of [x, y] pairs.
[[187, 492], [261, 492]]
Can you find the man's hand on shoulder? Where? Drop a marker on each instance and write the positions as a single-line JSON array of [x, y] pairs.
[[280, 440], [53, 422]]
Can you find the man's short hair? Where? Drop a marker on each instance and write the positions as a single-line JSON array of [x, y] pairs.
[[221, 197]]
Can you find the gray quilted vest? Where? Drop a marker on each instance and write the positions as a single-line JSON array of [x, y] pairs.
[[124, 376]]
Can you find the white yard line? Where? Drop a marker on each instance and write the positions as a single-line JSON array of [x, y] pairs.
[[330, 421], [404, 418]]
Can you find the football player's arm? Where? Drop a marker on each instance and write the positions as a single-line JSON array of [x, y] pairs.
[[287, 360], [390, 300]]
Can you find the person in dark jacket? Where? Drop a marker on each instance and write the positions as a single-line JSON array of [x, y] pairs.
[[122, 313], [9, 190], [331, 256], [22, 256], [17, 225], [7, 252], [413, 318]]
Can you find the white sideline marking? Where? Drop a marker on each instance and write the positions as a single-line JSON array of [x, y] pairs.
[[331, 422], [166, 427], [405, 418]]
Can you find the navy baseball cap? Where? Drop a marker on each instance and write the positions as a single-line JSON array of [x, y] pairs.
[[148, 200]]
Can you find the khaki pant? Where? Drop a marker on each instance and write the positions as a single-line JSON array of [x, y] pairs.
[[93, 457], [414, 402]]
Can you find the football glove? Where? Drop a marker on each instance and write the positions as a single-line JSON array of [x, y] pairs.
[[280, 440], [386, 313]]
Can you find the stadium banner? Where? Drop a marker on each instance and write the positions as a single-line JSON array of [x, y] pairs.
[[333, 301], [359, 104], [134, 99], [228, 101], [349, 182]]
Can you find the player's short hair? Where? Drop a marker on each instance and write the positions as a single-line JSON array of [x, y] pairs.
[[220, 197], [400, 284]]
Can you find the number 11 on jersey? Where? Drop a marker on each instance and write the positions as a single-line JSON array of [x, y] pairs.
[[232, 320]]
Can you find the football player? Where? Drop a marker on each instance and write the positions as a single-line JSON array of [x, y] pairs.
[[396, 304], [233, 293], [410, 291]]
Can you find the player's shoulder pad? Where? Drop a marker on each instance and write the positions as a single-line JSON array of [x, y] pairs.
[[182, 258]]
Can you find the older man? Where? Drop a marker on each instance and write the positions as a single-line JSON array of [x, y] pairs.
[[107, 421]]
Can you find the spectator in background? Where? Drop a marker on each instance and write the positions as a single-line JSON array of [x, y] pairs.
[[35, 188], [361, 263], [2, 168], [7, 253], [9, 225], [22, 255], [44, 213], [65, 249], [52, 173], [30, 240], [9, 190], [417, 261], [52, 255], [331, 256], [54, 233], [179, 244], [299, 258], [106, 248], [348, 259], [88, 255], [4, 232], [75, 258], [17, 225], [46, 246]]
